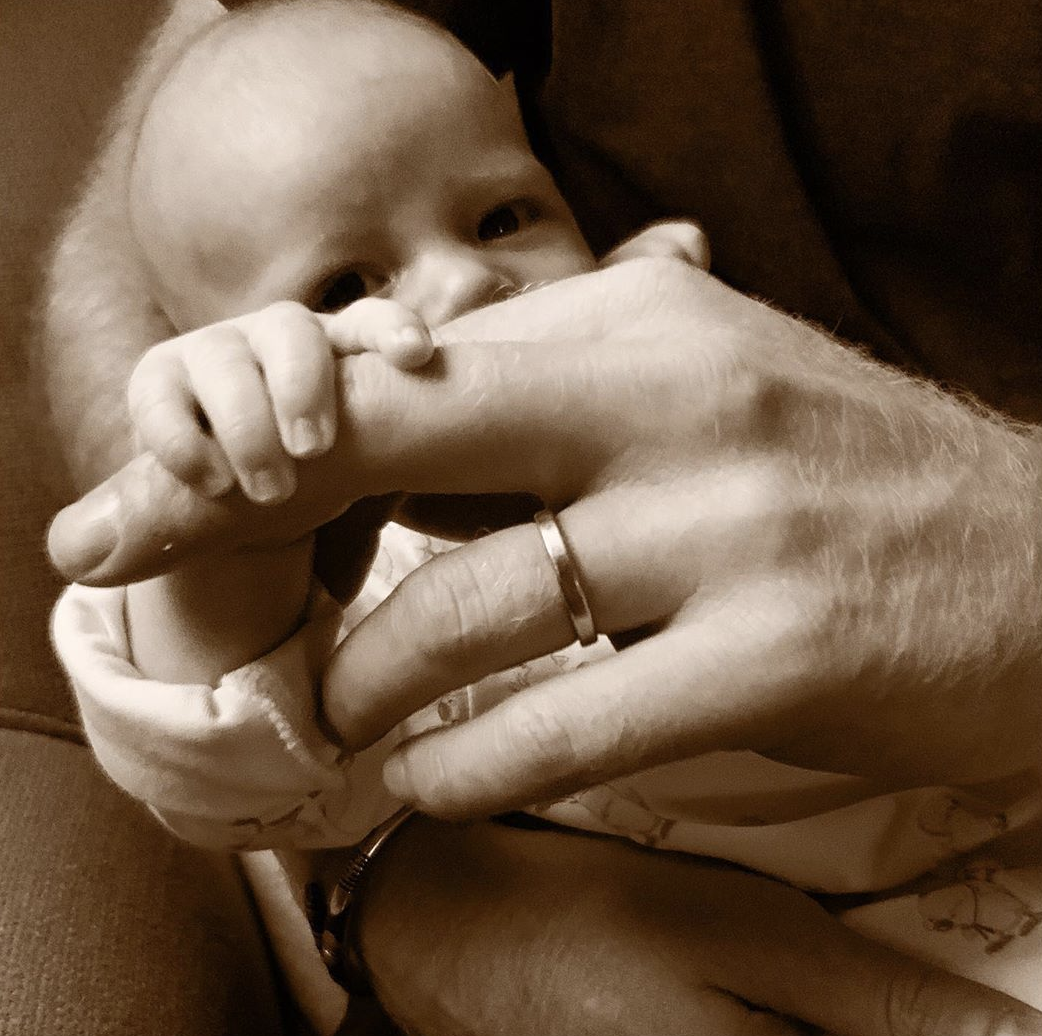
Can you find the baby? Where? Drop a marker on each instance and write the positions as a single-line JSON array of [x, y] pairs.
[[329, 177], [353, 159]]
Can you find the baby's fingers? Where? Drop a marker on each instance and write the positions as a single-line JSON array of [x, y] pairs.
[[227, 383], [297, 360], [382, 326], [168, 423]]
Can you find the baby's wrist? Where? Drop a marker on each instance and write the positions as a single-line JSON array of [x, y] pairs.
[[208, 618]]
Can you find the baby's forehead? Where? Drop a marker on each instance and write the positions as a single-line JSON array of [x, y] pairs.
[[294, 67], [310, 66]]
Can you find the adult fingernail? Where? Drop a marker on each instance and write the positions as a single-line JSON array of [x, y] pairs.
[[395, 779], [84, 534]]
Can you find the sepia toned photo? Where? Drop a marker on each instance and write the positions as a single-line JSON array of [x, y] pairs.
[[521, 518]]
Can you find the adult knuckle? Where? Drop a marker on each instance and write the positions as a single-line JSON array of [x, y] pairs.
[[909, 1007], [924, 1001], [656, 285], [664, 272], [541, 733], [443, 607], [753, 403], [762, 505]]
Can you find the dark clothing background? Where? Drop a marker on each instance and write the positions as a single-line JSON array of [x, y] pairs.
[[875, 167]]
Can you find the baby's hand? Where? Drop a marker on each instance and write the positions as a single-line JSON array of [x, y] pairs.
[[241, 400]]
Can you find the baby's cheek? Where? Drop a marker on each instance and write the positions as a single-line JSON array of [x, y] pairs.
[[568, 256]]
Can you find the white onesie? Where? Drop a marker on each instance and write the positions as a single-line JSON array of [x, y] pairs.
[[245, 765]]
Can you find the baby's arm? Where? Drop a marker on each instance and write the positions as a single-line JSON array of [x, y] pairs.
[[202, 621], [239, 401]]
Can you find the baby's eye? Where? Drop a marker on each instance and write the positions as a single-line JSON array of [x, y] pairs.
[[505, 220], [339, 291]]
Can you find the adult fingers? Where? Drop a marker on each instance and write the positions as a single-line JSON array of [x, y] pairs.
[[138, 523], [297, 361], [420, 645], [772, 946], [678, 693], [476, 419], [641, 553], [496, 602], [776, 948], [479, 420], [625, 927], [855, 987], [725, 671]]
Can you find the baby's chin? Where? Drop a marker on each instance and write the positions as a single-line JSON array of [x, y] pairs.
[[459, 517]]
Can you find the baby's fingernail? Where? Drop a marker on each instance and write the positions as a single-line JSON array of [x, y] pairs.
[[217, 483], [308, 437], [411, 347], [268, 485], [83, 535]]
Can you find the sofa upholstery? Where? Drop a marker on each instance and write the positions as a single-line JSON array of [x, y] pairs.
[[107, 924]]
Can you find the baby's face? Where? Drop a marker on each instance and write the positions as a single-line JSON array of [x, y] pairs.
[[403, 173]]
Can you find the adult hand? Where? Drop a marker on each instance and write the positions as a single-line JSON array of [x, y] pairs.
[[832, 564], [596, 936]]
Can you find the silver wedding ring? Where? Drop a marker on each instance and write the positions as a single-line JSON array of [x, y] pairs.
[[567, 577]]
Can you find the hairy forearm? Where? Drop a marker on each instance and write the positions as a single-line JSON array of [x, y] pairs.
[[98, 316]]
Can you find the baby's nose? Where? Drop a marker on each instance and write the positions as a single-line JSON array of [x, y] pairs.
[[445, 285]]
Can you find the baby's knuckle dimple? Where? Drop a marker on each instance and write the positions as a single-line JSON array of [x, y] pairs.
[[179, 453]]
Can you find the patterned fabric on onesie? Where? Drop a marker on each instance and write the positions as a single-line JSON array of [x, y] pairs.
[[248, 765]]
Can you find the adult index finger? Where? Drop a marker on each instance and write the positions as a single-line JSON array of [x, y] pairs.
[[496, 602], [138, 523], [480, 419], [540, 417], [725, 672]]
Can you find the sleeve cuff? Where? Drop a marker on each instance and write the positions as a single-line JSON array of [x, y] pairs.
[[244, 764]]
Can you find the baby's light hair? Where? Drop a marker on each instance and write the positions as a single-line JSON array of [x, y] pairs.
[[230, 82]]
